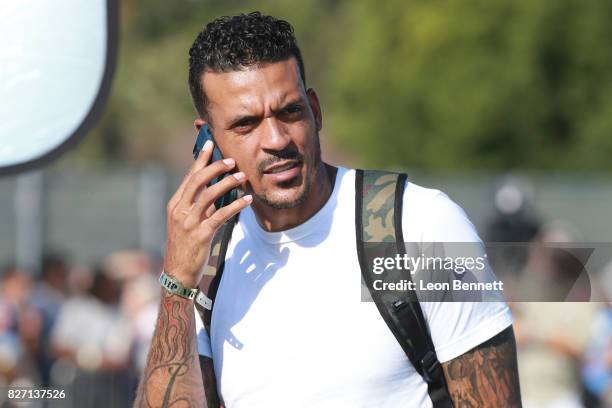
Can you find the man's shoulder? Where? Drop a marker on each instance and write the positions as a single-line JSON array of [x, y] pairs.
[[425, 195], [415, 191], [428, 214], [433, 216]]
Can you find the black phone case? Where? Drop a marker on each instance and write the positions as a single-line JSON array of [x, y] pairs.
[[203, 136]]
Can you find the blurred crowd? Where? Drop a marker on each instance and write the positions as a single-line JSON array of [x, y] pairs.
[[82, 329], [564, 338]]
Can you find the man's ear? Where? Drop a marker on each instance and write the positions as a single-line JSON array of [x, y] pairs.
[[198, 123], [313, 100]]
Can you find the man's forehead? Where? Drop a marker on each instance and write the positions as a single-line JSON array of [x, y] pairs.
[[271, 83]]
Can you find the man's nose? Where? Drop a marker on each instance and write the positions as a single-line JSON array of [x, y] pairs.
[[275, 136]]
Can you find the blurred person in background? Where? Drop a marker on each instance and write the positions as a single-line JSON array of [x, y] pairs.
[[80, 280], [48, 295], [551, 334], [514, 221], [92, 341], [51, 288], [128, 264], [597, 362], [20, 329], [514, 217], [139, 304], [139, 296]]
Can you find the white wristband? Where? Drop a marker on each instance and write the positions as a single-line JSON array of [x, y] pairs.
[[204, 300], [176, 288]]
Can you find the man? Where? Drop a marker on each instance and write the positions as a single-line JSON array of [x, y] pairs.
[[289, 328]]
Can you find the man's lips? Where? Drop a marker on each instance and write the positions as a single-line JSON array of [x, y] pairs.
[[283, 171], [281, 166]]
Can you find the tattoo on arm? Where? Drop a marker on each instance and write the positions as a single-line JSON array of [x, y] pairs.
[[172, 376], [487, 375]]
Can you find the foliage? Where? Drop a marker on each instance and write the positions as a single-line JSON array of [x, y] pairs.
[[442, 85], [478, 84]]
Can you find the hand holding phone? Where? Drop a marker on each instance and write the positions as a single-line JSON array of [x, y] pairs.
[[192, 218], [203, 136]]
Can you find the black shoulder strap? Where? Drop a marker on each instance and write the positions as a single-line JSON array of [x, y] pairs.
[[378, 223], [214, 269]]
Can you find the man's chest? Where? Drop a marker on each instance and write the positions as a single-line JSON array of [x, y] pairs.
[[292, 318]]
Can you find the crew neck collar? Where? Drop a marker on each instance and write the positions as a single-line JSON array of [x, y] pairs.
[[323, 215]]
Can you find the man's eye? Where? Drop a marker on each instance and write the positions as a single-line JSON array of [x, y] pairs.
[[292, 112], [243, 126], [243, 130]]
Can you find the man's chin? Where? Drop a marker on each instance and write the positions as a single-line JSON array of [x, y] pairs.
[[284, 200]]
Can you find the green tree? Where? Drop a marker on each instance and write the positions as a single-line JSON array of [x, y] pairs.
[[478, 84], [449, 84]]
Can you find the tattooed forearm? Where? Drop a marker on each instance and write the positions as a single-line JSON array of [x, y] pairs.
[[486, 376], [172, 376]]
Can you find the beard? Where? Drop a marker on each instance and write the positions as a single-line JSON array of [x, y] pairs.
[[282, 204], [299, 188]]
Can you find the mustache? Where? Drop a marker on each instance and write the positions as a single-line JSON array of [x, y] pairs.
[[286, 154]]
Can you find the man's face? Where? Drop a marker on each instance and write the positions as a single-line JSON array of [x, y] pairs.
[[263, 118]]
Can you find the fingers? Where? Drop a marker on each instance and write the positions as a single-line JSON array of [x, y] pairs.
[[210, 195], [210, 210], [202, 177], [212, 224], [217, 190], [198, 164]]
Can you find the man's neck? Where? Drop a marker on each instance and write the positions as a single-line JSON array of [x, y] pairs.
[[274, 220]]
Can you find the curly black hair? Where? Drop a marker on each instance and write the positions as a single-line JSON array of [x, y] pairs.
[[233, 43]]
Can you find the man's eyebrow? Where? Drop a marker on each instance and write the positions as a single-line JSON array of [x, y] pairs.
[[240, 120], [296, 101]]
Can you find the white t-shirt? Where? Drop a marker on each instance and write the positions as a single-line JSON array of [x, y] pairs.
[[289, 328]]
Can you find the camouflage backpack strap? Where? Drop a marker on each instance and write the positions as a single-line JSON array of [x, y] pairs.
[[378, 225], [213, 271]]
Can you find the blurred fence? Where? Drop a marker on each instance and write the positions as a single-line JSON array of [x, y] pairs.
[[88, 215]]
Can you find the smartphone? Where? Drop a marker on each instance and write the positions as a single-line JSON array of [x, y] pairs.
[[204, 135]]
